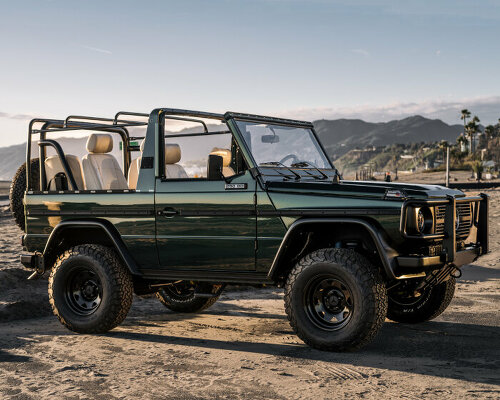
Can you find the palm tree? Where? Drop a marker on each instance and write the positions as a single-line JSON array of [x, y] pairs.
[[475, 131], [472, 128], [464, 115], [462, 141], [489, 131]]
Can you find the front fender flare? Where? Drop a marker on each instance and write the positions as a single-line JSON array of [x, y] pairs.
[[387, 254]]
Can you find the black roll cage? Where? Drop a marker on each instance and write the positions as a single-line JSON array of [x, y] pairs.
[[120, 125], [69, 124]]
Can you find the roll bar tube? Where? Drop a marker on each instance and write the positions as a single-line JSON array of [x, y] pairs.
[[52, 125], [62, 157]]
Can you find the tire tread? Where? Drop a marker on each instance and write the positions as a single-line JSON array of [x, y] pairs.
[[122, 286], [365, 273], [439, 300]]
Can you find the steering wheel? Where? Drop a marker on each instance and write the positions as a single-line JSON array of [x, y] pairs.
[[293, 157]]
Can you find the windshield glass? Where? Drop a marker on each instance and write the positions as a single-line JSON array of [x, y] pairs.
[[286, 145]]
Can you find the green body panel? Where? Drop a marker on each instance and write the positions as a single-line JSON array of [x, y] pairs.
[[270, 232], [340, 200], [137, 229], [213, 239]]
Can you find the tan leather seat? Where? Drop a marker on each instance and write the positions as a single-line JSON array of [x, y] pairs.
[[101, 171], [226, 160], [172, 157], [53, 166], [133, 171]]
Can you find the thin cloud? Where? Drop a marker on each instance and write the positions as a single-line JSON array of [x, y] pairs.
[[97, 49], [19, 117], [361, 52]]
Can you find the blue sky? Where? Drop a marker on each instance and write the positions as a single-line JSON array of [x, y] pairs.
[[376, 60]]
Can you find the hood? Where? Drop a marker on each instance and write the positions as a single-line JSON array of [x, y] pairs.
[[364, 189]]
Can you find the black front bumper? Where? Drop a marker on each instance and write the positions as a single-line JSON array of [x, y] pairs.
[[462, 257]]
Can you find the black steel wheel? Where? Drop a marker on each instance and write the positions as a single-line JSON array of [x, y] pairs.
[[83, 290], [328, 302], [335, 300], [189, 297], [412, 308], [90, 290], [182, 291]]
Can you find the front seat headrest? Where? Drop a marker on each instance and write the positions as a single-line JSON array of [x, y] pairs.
[[99, 143], [172, 153], [224, 153]]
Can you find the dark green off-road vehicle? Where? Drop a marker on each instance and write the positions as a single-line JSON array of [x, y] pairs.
[[244, 199]]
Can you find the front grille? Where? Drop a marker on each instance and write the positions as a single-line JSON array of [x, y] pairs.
[[439, 216], [464, 213]]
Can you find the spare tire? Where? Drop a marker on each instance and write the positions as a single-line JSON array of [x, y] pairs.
[[18, 187]]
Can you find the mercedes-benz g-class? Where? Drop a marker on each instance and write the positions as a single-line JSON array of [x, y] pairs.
[[245, 199]]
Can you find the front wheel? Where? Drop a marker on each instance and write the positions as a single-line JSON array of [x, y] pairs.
[[335, 300], [423, 307], [189, 297], [90, 289]]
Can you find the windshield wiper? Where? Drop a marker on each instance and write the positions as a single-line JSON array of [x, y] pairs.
[[302, 164], [278, 164]]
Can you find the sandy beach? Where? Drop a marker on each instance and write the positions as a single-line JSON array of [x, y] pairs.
[[243, 347]]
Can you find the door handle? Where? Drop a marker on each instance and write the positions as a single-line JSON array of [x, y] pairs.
[[168, 212]]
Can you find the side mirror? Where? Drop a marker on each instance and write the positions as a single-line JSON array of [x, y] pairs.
[[214, 168]]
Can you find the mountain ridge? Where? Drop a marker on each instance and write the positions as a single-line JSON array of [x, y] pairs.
[[338, 137], [342, 135]]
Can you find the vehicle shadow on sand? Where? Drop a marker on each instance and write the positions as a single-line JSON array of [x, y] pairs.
[[469, 352], [450, 350], [478, 273]]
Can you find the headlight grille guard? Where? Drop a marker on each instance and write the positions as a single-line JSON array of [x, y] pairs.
[[479, 218]]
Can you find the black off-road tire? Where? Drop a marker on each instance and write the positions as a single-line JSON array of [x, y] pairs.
[[116, 288], [189, 303], [18, 187], [424, 308], [365, 287]]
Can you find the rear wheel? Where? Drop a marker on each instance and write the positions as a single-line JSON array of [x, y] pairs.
[[335, 300], [411, 308], [189, 297], [90, 289]]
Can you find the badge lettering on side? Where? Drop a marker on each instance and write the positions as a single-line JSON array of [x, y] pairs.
[[235, 186]]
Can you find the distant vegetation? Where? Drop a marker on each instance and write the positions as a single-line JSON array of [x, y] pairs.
[[474, 147]]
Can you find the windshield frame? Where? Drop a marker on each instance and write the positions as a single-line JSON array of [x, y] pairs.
[[278, 122]]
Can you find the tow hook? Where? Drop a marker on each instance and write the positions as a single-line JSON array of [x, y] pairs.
[[457, 273], [34, 261]]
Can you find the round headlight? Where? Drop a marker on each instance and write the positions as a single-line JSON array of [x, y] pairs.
[[424, 220], [420, 221]]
